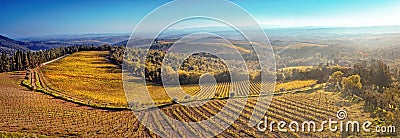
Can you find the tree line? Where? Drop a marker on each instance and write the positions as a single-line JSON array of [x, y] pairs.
[[190, 68], [372, 82], [19, 60], [373, 75]]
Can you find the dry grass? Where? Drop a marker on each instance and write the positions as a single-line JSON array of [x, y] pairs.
[[300, 68], [87, 75], [292, 85], [300, 45]]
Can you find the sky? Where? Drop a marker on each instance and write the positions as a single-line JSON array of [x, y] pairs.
[[26, 18]]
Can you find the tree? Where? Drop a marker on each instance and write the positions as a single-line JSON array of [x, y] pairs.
[[352, 85], [375, 73], [5, 63], [336, 77], [382, 77]]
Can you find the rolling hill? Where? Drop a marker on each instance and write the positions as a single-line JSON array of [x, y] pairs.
[[9, 45]]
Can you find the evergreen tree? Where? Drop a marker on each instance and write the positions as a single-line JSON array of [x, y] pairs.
[[5, 63]]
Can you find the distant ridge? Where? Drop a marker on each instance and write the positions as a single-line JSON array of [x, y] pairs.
[[9, 45]]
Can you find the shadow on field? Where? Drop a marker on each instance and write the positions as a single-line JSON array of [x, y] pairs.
[[111, 69], [99, 62]]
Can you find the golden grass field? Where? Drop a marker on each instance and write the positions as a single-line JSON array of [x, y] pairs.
[[88, 75], [292, 85]]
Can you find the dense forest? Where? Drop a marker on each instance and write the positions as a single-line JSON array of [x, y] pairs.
[[373, 73], [190, 69], [20, 60], [372, 82]]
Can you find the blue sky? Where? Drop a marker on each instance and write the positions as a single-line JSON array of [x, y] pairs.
[[21, 18]]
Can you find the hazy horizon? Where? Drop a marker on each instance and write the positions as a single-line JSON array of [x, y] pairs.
[[364, 29], [45, 17]]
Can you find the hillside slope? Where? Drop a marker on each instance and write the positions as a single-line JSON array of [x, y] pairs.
[[9, 45]]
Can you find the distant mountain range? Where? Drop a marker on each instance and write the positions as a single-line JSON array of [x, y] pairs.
[[352, 36], [52, 42], [9, 45], [40, 43]]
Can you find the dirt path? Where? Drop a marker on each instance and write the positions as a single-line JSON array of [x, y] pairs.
[[48, 62]]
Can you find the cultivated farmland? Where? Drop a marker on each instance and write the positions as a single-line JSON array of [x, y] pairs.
[[67, 113], [90, 79], [30, 112]]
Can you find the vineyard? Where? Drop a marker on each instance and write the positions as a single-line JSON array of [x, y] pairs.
[[87, 78], [32, 112], [199, 69], [70, 115], [293, 85]]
